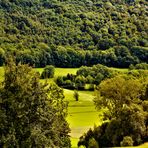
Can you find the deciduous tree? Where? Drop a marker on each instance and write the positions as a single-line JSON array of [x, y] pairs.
[[32, 114]]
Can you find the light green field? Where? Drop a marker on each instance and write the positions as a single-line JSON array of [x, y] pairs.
[[60, 71], [119, 69], [82, 114]]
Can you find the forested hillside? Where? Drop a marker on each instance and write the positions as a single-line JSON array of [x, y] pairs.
[[71, 33]]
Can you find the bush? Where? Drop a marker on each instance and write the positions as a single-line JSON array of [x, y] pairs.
[[141, 66], [91, 87], [76, 95], [48, 72], [127, 141], [80, 82], [92, 143], [68, 84]]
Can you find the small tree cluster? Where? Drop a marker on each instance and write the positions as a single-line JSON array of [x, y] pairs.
[[48, 72], [76, 95], [139, 66], [86, 76], [127, 141]]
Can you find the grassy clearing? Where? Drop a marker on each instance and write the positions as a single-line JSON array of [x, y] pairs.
[[119, 69], [60, 71], [82, 114]]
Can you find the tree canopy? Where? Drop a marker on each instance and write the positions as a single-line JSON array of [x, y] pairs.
[[48, 72], [122, 100], [32, 114], [74, 33], [116, 92]]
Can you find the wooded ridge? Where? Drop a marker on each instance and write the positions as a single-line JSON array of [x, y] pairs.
[[69, 33]]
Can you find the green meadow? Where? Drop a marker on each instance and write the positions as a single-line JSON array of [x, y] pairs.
[[1, 73], [60, 71], [79, 114], [119, 69]]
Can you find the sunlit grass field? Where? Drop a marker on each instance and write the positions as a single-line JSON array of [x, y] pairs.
[[60, 71], [119, 69], [82, 114]]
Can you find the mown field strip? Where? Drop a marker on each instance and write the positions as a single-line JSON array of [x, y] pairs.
[[82, 114]]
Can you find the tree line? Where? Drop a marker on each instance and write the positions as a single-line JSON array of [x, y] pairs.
[[90, 77]]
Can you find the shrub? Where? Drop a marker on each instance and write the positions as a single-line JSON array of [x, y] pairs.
[[48, 72], [127, 141], [92, 143], [76, 95]]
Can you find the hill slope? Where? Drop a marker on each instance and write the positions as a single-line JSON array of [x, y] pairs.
[[70, 33]]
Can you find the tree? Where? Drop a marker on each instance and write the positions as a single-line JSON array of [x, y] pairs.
[[48, 72], [124, 103], [92, 143], [131, 121], [76, 95], [114, 93], [32, 114], [80, 82], [99, 78], [2, 52], [141, 66]]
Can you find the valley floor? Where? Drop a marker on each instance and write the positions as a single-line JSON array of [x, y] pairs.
[[82, 114]]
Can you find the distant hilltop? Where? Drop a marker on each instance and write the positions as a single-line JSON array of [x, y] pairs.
[[72, 33]]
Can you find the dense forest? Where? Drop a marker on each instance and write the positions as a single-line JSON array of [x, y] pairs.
[[68, 33]]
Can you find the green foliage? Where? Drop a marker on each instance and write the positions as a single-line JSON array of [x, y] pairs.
[[76, 95], [123, 99], [80, 82], [127, 141], [72, 34], [48, 72], [32, 114], [139, 66], [115, 92], [2, 53], [92, 143], [86, 75]]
